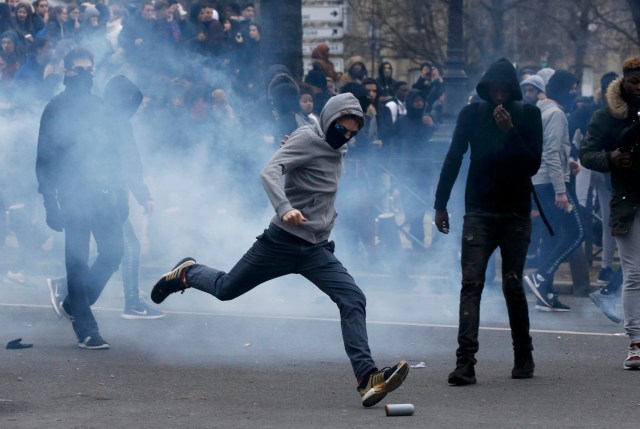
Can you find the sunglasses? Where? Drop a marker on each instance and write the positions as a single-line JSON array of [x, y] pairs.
[[344, 130]]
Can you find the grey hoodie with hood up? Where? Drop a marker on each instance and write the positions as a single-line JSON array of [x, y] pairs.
[[312, 169]]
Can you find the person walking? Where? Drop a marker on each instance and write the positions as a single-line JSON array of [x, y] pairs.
[[612, 144], [505, 137], [79, 172]]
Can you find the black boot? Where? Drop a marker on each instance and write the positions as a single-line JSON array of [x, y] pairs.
[[464, 373], [523, 365]]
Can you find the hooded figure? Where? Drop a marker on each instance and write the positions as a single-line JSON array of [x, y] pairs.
[[413, 133], [505, 137], [386, 81], [123, 98], [313, 189], [561, 88]]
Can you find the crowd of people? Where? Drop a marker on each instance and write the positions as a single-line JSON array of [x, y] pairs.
[[202, 89]]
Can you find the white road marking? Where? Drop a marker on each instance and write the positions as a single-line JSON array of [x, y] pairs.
[[329, 319]]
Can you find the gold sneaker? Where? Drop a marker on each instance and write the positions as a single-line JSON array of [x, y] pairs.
[[382, 382]]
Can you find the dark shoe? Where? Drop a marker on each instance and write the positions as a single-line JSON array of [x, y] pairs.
[[523, 365], [141, 311], [379, 383], [554, 305], [464, 374], [538, 288], [95, 342], [609, 304], [171, 282], [633, 357], [604, 276], [57, 294]]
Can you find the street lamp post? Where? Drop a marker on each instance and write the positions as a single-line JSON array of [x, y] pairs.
[[455, 78]]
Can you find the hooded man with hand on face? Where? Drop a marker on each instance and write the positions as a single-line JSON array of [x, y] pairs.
[[505, 137]]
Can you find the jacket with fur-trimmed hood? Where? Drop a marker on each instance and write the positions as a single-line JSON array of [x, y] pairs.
[[499, 179], [604, 135], [311, 169]]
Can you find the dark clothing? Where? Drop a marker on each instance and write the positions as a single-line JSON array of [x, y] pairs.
[[556, 249], [482, 233], [497, 202], [604, 135], [277, 253], [79, 166]]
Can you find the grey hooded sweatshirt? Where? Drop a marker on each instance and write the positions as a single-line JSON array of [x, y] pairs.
[[554, 168], [312, 169]]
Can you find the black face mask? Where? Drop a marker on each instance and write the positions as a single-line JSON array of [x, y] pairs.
[[335, 138], [83, 80]]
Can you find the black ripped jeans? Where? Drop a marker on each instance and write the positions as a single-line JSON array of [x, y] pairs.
[[482, 233]]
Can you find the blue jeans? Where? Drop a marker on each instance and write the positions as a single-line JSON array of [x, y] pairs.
[[85, 282], [277, 253], [482, 233]]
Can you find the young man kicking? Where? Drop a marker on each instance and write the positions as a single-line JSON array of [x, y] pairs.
[[297, 240]]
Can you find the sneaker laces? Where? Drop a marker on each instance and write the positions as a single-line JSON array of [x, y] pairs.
[[180, 275]]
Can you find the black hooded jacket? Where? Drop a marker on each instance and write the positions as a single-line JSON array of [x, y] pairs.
[[123, 98], [502, 164]]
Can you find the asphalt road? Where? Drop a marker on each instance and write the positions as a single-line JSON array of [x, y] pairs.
[[274, 359]]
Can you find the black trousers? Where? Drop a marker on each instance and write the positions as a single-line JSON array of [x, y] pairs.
[[482, 233]]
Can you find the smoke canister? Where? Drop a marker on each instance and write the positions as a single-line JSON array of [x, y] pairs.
[[399, 409]]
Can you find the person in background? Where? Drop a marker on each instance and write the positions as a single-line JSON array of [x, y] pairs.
[[612, 145]]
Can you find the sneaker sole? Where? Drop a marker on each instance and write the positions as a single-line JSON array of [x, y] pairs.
[[377, 393], [100, 347], [535, 291], [52, 297], [141, 317], [551, 309], [186, 262], [632, 367], [604, 310], [461, 381]]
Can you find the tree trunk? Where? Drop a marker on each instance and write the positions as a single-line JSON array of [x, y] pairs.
[[282, 30], [634, 5]]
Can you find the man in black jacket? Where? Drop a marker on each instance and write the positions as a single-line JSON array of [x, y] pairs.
[[79, 173], [505, 137]]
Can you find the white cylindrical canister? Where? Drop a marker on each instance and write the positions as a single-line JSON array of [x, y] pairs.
[[399, 409]]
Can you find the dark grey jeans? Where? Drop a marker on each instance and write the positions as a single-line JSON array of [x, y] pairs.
[[482, 233], [277, 253]]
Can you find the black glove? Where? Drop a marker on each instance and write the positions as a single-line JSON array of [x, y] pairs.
[[55, 219]]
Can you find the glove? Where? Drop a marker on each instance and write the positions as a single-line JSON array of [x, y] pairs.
[[54, 219]]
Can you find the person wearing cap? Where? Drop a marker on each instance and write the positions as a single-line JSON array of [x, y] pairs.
[[505, 137], [297, 240], [555, 193], [612, 145]]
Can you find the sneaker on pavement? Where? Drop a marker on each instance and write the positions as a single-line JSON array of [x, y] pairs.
[[536, 287], [464, 373], [141, 311], [171, 282], [608, 304], [57, 294], [95, 342], [381, 382], [633, 357], [554, 305], [604, 276]]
